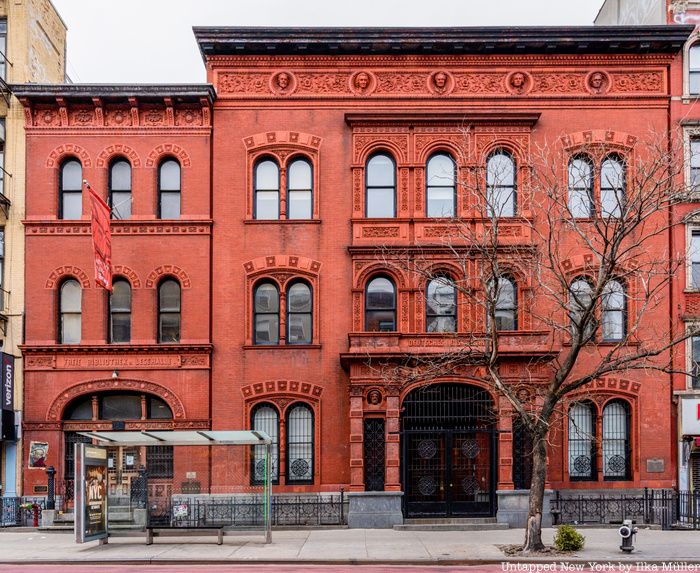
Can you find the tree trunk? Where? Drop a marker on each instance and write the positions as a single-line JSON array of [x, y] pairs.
[[533, 527]]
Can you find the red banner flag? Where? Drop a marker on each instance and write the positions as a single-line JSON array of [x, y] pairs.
[[101, 239]]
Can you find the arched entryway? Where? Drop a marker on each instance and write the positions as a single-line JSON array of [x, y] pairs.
[[120, 410], [448, 445]]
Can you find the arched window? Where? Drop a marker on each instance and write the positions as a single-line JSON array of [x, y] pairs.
[[267, 190], [580, 297], [169, 311], [266, 314], [120, 189], [71, 190], [381, 187], [169, 189], [120, 312], [616, 441], [505, 299], [581, 203], [441, 306], [70, 312], [500, 185], [694, 69], [300, 444], [79, 409], [612, 187], [613, 319], [299, 313], [299, 190], [441, 175], [380, 306], [118, 406], [582, 452], [266, 419]]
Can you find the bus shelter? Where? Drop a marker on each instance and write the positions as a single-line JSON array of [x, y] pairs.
[[219, 480]]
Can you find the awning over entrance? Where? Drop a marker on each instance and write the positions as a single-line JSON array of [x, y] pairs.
[[181, 438]]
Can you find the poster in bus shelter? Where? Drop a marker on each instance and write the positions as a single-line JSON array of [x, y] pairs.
[[90, 493]]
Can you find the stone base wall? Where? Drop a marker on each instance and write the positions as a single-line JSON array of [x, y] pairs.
[[513, 507], [375, 509]]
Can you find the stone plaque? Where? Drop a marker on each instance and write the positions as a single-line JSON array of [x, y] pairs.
[[655, 465]]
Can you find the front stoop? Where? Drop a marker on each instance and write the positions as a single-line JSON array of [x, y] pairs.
[[452, 524]]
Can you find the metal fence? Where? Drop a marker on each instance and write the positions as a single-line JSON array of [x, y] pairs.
[[20, 512], [248, 511], [668, 508]]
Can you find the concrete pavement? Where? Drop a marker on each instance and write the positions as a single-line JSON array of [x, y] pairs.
[[341, 546]]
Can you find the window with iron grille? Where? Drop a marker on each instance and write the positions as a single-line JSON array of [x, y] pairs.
[[300, 444], [70, 439], [266, 419], [616, 441], [159, 461], [374, 453], [582, 452], [522, 455]]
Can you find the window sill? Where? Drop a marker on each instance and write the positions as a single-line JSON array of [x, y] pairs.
[[281, 346], [282, 221], [604, 343]]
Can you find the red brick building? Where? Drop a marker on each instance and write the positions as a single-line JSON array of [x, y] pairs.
[[317, 164], [141, 360]]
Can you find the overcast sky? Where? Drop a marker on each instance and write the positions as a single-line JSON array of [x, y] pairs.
[[123, 41]]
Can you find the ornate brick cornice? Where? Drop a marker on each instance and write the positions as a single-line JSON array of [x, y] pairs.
[[441, 81], [55, 349], [130, 227], [105, 108], [219, 40]]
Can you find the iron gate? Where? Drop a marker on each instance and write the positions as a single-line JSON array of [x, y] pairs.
[[448, 457], [449, 472]]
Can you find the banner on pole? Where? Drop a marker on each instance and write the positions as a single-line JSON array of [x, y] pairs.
[[101, 239]]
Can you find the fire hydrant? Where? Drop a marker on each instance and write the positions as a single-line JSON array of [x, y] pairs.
[[35, 510], [627, 532]]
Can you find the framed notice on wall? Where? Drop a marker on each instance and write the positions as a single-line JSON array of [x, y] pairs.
[[90, 493]]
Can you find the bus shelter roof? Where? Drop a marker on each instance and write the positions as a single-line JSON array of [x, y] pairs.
[[180, 438]]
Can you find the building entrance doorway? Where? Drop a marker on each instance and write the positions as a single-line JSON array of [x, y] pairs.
[[448, 443]]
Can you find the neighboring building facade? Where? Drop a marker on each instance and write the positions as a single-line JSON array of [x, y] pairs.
[[32, 46], [685, 126], [140, 358], [314, 172]]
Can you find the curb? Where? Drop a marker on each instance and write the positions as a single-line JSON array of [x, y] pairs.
[[695, 563]]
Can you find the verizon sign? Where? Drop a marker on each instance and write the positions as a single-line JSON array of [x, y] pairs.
[[690, 416], [7, 371]]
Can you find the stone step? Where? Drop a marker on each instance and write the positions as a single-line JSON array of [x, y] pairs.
[[118, 518], [443, 520], [451, 527], [119, 526]]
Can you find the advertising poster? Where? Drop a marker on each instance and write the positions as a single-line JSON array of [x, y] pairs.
[[37, 454], [90, 493]]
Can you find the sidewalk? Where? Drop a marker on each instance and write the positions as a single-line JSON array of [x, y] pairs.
[[341, 546]]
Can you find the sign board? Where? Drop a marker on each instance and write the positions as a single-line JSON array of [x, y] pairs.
[[690, 416], [90, 493], [7, 371]]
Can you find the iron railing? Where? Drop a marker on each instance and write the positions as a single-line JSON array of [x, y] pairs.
[[668, 508], [19, 511], [248, 511]]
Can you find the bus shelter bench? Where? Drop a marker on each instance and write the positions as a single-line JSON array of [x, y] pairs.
[[152, 531]]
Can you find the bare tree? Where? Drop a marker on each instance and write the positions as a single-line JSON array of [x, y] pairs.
[[597, 254]]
